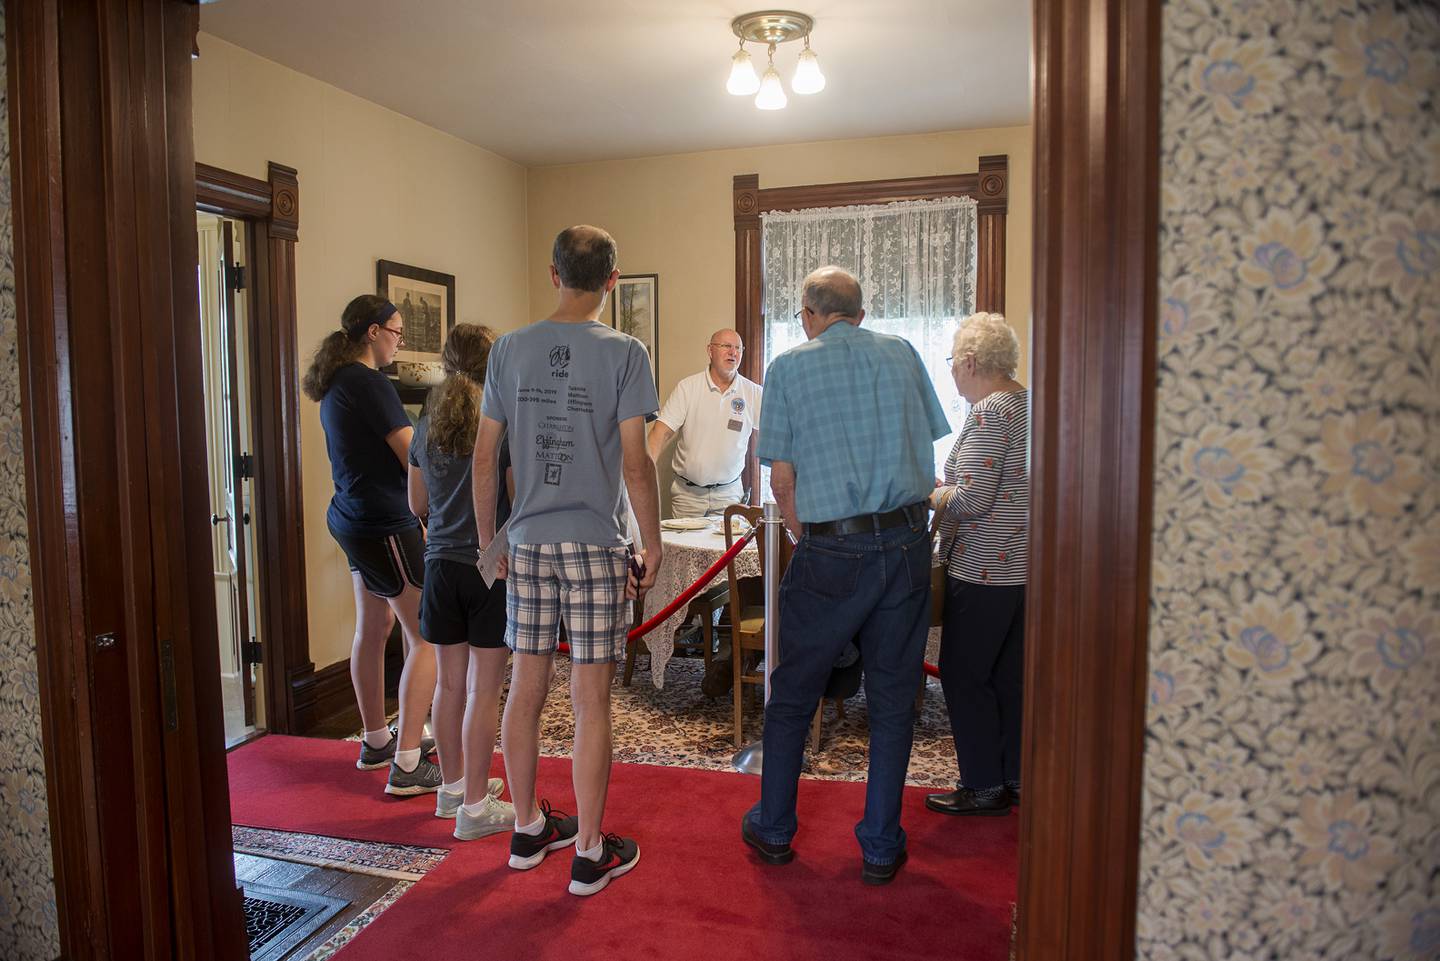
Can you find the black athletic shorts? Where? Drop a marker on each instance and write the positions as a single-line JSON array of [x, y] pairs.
[[386, 564], [457, 607]]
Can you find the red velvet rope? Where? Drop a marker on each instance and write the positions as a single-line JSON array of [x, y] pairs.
[[686, 594], [699, 585], [693, 589]]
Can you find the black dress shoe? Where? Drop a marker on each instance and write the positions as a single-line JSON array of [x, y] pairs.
[[881, 873], [769, 853], [969, 801], [1012, 793]]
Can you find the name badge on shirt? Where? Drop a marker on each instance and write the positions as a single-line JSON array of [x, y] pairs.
[[735, 425]]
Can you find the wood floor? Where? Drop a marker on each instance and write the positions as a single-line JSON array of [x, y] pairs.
[[361, 890]]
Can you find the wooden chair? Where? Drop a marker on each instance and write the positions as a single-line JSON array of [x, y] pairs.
[[703, 606], [747, 620]]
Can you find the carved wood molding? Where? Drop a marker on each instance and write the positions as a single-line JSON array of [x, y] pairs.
[[271, 208], [1087, 603], [222, 192], [989, 186], [284, 202]]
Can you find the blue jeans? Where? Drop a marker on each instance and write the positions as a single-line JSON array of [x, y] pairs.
[[873, 588]]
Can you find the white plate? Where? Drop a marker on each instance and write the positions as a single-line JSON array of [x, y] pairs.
[[685, 523], [738, 524]]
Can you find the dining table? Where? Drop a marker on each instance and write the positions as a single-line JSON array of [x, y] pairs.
[[688, 554]]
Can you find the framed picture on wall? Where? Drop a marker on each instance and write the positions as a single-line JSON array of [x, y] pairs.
[[426, 299], [635, 310]]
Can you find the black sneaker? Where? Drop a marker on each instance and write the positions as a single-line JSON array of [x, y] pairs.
[[374, 758], [771, 853], [619, 856], [528, 850], [882, 873], [425, 779]]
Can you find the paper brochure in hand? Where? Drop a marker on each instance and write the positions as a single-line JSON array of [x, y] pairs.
[[490, 557]]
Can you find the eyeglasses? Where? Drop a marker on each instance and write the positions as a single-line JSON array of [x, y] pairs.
[[797, 313], [738, 348], [399, 334]]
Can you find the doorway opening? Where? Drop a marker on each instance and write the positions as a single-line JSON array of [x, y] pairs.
[[229, 445]]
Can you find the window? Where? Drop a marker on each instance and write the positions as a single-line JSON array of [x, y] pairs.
[[916, 262]]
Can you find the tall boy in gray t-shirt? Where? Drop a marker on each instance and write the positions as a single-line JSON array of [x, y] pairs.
[[574, 395]]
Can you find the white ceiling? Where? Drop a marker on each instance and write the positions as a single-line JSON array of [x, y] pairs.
[[569, 81]]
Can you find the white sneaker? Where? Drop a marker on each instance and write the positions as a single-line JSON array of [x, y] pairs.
[[447, 804], [495, 817]]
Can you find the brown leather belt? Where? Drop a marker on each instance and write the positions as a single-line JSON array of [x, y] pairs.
[[917, 513]]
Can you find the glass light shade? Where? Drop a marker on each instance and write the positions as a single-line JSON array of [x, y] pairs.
[[808, 78], [743, 80], [772, 94]]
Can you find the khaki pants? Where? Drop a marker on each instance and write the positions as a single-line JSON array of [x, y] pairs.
[[687, 501]]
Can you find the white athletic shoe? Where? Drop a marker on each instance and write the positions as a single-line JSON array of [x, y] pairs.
[[447, 804], [495, 817]]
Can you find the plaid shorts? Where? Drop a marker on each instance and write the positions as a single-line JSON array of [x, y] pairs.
[[583, 584]]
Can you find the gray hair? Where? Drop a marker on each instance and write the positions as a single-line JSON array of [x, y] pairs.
[[832, 290], [991, 341]]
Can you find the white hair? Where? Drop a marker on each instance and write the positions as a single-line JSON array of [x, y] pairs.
[[989, 339]]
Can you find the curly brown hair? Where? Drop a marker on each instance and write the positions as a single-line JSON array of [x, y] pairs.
[[344, 346], [455, 405]]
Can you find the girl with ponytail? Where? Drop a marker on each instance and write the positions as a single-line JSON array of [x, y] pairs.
[[367, 435], [463, 618]]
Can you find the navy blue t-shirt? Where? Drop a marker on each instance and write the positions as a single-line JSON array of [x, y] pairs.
[[358, 412]]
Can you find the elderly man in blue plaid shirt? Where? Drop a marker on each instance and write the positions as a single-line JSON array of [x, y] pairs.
[[847, 430]]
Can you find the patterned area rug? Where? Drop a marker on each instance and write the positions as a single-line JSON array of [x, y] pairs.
[[354, 926], [680, 726], [399, 861]]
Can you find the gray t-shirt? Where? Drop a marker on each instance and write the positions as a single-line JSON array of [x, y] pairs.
[[451, 535], [562, 391]]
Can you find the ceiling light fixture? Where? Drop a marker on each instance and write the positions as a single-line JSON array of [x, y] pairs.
[[743, 80], [772, 27], [772, 94]]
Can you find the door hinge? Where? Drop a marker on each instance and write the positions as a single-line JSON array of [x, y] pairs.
[[253, 654], [235, 276], [167, 686], [245, 466]]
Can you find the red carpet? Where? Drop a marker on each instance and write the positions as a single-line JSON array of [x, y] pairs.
[[698, 892]]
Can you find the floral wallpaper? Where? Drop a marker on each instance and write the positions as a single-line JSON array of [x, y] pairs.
[[1292, 783], [29, 927]]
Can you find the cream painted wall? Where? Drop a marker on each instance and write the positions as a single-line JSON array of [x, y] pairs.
[[672, 216], [373, 185]]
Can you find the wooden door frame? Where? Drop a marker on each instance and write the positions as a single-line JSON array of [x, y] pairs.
[[109, 339], [1096, 231], [271, 211], [1097, 161]]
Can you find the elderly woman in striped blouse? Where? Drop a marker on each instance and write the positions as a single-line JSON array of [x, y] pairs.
[[984, 507]]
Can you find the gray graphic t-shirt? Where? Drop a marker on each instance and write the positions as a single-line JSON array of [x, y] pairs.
[[451, 535], [562, 391]]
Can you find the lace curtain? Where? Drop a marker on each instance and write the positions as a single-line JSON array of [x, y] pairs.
[[916, 263]]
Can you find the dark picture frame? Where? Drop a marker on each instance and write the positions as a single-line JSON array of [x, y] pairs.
[[635, 310], [426, 299]]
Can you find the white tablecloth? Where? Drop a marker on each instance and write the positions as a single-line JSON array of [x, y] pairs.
[[687, 555]]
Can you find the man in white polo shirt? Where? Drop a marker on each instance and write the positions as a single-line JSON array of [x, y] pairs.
[[714, 412]]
